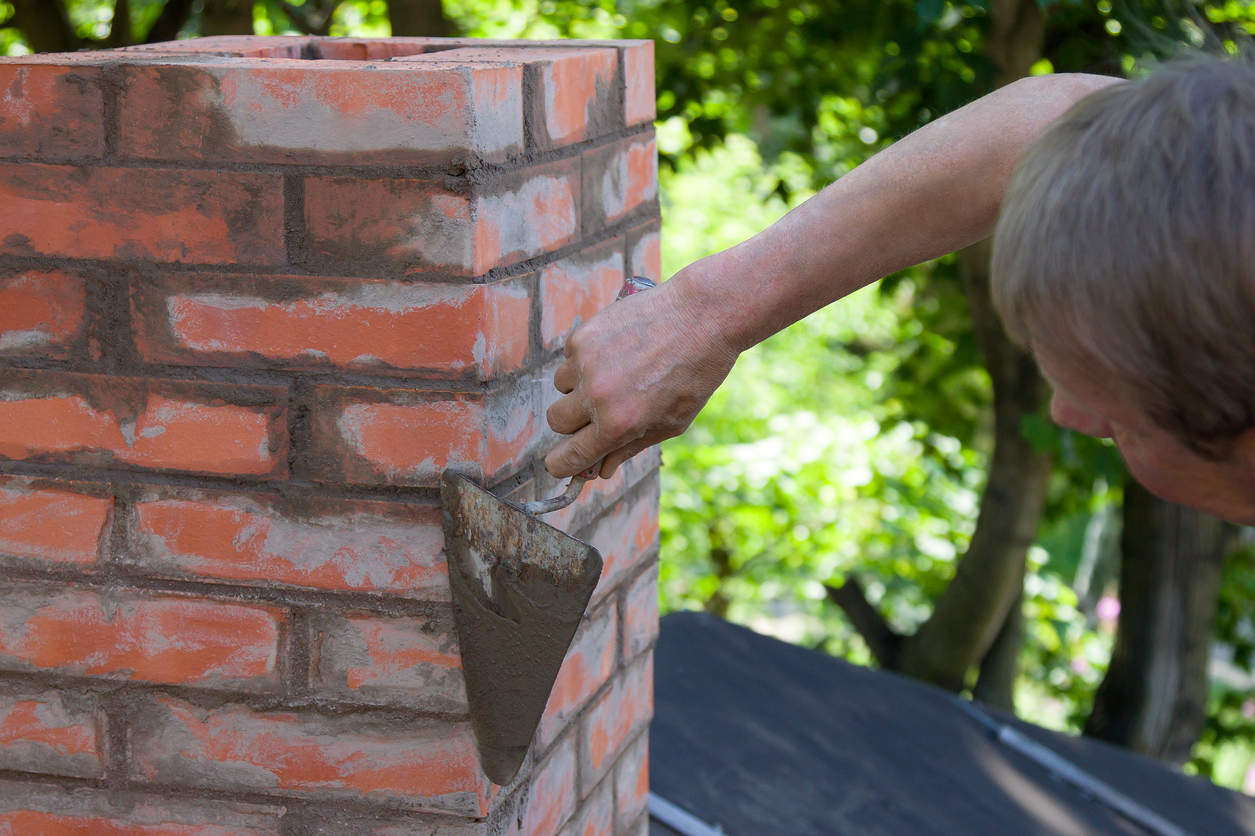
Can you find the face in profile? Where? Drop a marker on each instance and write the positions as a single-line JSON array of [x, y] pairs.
[[1155, 457]]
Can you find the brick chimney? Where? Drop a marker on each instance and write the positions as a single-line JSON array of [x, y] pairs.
[[255, 295]]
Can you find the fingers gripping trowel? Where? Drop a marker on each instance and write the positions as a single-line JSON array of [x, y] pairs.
[[519, 588]]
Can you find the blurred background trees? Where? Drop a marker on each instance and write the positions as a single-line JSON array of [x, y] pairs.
[[881, 480]]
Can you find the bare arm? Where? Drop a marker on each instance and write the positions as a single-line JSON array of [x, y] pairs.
[[640, 371]]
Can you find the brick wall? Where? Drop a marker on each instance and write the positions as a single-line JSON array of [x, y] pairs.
[[255, 294]]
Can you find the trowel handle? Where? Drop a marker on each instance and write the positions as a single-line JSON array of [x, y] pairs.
[[631, 286]]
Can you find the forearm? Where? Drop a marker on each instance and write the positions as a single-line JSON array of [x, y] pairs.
[[929, 194]]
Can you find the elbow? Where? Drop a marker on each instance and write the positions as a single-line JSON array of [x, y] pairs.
[[1033, 104], [1058, 91]]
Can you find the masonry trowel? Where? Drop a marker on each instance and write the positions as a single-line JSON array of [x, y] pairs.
[[520, 588]]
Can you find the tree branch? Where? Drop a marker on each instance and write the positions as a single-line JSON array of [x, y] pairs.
[[167, 25], [882, 640], [309, 24], [119, 26], [44, 24]]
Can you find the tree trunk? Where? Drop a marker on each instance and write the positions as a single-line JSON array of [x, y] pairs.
[[1001, 666], [1016, 38], [988, 581], [1154, 696], [44, 24], [721, 558], [419, 19], [976, 621], [227, 17]]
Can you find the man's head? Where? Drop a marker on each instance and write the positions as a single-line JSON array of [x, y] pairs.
[[1125, 258]]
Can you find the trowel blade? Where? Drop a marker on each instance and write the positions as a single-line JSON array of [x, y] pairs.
[[520, 587]]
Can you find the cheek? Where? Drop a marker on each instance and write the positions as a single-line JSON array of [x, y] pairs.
[[1151, 474], [1165, 471]]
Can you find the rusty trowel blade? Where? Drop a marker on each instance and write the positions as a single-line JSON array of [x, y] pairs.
[[520, 588]]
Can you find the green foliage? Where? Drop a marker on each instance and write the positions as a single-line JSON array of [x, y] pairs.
[[536, 18], [857, 440], [11, 40]]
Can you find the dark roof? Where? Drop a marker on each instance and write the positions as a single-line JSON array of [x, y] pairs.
[[763, 738]]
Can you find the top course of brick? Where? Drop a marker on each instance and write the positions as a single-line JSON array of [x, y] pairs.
[[427, 102]]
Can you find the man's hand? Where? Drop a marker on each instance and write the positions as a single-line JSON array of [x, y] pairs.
[[635, 374]]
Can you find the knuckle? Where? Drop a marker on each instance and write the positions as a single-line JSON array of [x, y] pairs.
[[600, 390], [621, 423]]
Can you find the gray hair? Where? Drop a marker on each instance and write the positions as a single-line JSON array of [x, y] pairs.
[[1126, 243]]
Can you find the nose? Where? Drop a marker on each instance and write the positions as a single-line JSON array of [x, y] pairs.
[[1070, 415]]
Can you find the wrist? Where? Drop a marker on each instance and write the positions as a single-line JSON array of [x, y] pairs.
[[710, 296]]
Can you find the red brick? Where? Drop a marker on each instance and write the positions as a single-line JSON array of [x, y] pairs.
[[41, 313], [51, 111], [129, 635], [631, 782], [421, 765], [588, 665], [391, 327], [404, 437], [640, 614], [97, 420], [344, 823], [595, 816], [624, 536], [645, 253], [639, 828], [334, 544], [368, 49], [51, 525], [519, 44], [234, 46], [638, 70], [379, 228], [551, 795], [574, 90], [207, 217], [537, 213], [619, 179], [408, 661], [573, 289], [320, 112], [374, 228], [615, 719], [45, 734], [30, 809]]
